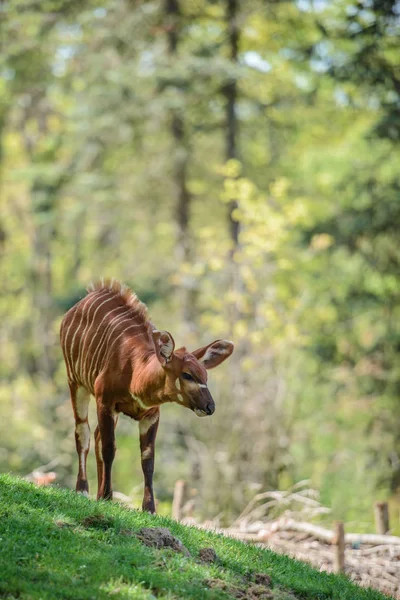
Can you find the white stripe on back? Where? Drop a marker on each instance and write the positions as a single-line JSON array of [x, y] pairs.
[[116, 339], [67, 357], [109, 335], [103, 335], [82, 307], [84, 356], [122, 333], [78, 367]]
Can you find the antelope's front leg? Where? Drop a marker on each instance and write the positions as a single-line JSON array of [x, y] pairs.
[[99, 456], [148, 427], [105, 416]]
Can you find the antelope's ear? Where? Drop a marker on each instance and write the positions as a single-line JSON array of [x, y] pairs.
[[164, 343], [214, 354]]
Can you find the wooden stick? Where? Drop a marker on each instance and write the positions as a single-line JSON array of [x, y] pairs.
[[372, 538], [338, 540], [177, 501], [291, 525], [381, 510], [320, 533]]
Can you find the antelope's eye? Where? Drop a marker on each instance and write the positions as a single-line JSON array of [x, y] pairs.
[[187, 376]]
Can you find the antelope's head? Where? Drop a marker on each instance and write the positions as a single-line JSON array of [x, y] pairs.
[[186, 372]]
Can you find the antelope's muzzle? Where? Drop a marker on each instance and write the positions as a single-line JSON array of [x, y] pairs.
[[205, 405]]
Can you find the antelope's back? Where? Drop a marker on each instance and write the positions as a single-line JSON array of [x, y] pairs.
[[91, 330]]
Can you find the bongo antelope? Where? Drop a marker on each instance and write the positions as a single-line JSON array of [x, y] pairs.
[[114, 353]]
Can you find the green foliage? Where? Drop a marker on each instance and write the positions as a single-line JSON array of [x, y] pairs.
[[56, 543]]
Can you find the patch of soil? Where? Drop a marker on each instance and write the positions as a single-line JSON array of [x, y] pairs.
[[207, 555], [263, 579], [259, 592], [219, 584], [248, 592], [161, 537], [97, 522]]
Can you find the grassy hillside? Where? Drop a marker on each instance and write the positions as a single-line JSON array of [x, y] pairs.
[[57, 544]]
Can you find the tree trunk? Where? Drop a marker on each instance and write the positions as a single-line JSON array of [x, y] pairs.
[[231, 99], [181, 161], [41, 281], [42, 288]]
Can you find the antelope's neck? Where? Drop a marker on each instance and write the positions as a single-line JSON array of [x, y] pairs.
[[148, 382]]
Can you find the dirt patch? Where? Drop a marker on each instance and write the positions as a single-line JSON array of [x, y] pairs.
[[248, 592], [207, 555], [161, 537], [97, 522], [263, 579], [259, 592], [219, 584]]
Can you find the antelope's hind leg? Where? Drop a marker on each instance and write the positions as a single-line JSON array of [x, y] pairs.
[[148, 427], [80, 403], [99, 458]]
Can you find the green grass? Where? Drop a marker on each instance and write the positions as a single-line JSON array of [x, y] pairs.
[[57, 544]]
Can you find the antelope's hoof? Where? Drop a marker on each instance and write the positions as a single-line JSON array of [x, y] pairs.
[[105, 496], [82, 487]]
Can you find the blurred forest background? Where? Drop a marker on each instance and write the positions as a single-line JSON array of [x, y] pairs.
[[237, 164]]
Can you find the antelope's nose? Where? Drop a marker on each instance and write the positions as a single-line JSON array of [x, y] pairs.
[[210, 408]]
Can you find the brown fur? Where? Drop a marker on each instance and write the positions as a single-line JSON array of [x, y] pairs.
[[127, 295], [113, 352]]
